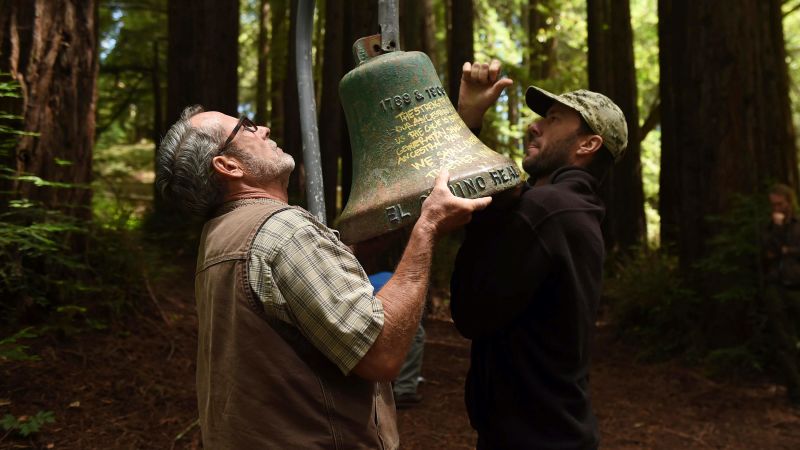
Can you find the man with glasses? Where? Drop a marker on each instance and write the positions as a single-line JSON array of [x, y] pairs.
[[294, 351]]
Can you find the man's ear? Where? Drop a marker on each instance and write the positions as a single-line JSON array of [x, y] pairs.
[[227, 167], [590, 144]]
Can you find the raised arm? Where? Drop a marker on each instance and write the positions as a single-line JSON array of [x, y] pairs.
[[481, 85], [403, 296]]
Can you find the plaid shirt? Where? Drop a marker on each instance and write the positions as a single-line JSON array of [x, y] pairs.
[[307, 278]]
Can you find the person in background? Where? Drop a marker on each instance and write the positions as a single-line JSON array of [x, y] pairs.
[[782, 287]]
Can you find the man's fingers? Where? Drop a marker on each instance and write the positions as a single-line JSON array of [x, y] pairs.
[[475, 75], [484, 73], [467, 206], [494, 70], [500, 85], [481, 73], [466, 71], [473, 204], [480, 203], [442, 178]]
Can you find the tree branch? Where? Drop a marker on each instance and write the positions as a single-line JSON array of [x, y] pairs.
[[653, 119], [124, 104], [791, 10]]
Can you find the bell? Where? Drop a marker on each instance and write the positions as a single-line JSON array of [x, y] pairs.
[[403, 130]]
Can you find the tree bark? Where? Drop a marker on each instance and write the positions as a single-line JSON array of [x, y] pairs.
[[513, 98], [428, 31], [331, 114], [726, 122], [50, 48], [361, 20], [262, 82], [279, 44], [460, 45], [158, 107], [417, 27], [292, 140], [612, 72], [411, 25], [202, 56], [541, 57]]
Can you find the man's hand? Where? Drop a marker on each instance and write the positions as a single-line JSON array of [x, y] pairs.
[[480, 88], [443, 212], [778, 218]]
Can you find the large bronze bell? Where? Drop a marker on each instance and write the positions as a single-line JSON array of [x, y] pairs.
[[403, 129]]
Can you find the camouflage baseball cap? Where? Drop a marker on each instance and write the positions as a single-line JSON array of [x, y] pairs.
[[603, 116]]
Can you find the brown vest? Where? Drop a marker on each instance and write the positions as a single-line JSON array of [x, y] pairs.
[[260, 383]]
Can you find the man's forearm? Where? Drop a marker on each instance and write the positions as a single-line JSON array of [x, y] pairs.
[[404, 294], [403, 299]]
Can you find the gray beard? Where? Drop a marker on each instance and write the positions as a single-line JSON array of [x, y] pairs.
[[269, 170]]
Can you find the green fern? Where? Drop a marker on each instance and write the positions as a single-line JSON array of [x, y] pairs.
[[27, 425]]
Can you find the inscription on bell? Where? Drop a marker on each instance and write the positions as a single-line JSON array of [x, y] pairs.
[[474, 186], [468, 187], [504, 175], [395, 213]]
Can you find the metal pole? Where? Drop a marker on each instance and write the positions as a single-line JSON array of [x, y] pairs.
[[388, 19], [308, 109]]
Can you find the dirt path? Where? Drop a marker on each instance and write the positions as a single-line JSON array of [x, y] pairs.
[[133, 388], [659, 406]]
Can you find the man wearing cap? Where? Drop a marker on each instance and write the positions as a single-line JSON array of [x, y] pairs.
[[527, 277]]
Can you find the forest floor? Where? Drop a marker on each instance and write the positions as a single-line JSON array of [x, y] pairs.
[[133, 388]]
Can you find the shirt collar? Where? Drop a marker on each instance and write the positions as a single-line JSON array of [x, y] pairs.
[[570, 172], [227, 207]]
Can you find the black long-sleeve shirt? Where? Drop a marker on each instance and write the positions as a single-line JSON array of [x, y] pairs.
[[525, 289]]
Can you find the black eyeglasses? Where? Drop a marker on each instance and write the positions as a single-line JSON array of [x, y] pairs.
[[244, 122]]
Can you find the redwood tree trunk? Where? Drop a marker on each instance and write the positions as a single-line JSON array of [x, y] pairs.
[[279, 50], [292, 140], [50, 48], [428, 31], [202, 56], [331, 114], [460, 45], [612, 72], [541, 56], [158, 107], [417, 27], [411, 25], [361, 20], [726, 122], [262, 50], [512, 91]]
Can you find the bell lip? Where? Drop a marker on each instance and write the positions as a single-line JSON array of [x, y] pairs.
[[369, 229]]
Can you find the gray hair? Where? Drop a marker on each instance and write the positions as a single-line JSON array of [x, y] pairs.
[[183, 165]]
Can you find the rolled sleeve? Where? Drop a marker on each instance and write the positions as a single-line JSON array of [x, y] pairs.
[[328, 295]]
